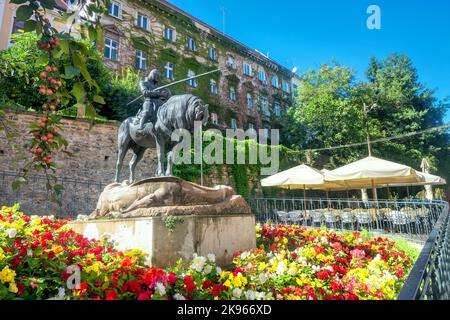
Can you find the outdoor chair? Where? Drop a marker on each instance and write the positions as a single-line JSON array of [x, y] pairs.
[[330, 218], [363, 218], [295, 216], [401, 219], [316, 218], [347, 218], [283, 217]]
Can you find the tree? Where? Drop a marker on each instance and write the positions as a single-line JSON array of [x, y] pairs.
[[330, 103], [56, 46]]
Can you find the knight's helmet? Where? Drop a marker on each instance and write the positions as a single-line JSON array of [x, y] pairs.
[[154, 76]]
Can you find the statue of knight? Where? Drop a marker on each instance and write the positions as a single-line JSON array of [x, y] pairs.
[[153, 98]]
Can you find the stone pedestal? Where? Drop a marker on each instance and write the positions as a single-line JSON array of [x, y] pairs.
[[201, 234]]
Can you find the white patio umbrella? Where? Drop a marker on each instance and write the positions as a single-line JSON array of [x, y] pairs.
[[373, 172], [300, 177], [427, 179]]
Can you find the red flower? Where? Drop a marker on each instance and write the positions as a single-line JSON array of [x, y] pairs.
[[172, 278], [400, 272], [134, 286], [189, 283], [216, 290], [146, 295], [111, 295], [324, 275], [206, 284]]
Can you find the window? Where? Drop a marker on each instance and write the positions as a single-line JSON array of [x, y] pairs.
[[249, 100], [230, 62], [265, 105], [213, 86], [294, 89], [277, 108], [191, 44], [114, 9], [169, 34], [111, 48], [192, 82], [232, 93], [212, 54], [168, 70], [262, 76], [285, 87], [141, 60], [142, 21], [248, 69], [233, 124], [214, 118], [275, 81]]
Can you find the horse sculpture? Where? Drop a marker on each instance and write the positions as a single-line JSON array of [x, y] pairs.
[[179, 112]]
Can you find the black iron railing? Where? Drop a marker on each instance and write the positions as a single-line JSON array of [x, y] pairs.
[[79, 196], [411, 218], [430, 277]]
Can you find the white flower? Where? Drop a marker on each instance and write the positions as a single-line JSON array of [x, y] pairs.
[[377, 257], [262, 278], [315, 269], [244, 255], [219, 270], [160, 288], [281, 268], [291, 272], [29, 252], [250, 295], [237, 292], [198, 263], [178, 296], [329, 268], [61, 292], [324, 239], [207, 269], [11, 232], [360, 240], [211, 257]]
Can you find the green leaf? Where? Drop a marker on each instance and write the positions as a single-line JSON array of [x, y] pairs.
[[24, 13], [41, 60], [29, 25], [78, 92], [18, 1], [99, 99], [71, 71], [90, 110], [64, 46]]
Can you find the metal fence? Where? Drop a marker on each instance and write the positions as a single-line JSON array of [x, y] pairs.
[[413, 219], [430, 277], [78, 196]]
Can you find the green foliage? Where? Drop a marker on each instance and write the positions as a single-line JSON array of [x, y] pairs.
[[170, 222], [20, 66], [118, 90]]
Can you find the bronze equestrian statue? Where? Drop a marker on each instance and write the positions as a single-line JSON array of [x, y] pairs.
[[160, 115]]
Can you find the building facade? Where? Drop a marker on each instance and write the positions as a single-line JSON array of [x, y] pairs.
[[249, 91]]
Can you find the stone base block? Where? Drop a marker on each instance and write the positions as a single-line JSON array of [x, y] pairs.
[[218, 234]]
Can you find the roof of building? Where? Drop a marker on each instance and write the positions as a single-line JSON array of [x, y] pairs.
[[254, 53]]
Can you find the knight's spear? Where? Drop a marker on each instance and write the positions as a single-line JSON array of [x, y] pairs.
[[174, 83]]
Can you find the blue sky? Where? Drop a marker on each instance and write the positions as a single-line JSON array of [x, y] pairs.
[[307, 33]]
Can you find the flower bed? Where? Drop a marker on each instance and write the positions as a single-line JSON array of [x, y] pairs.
[[40, 258]]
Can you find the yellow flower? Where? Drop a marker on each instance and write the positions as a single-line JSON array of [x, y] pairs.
[[95, 267], [7, 275], [262, 266], [13, 287]]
